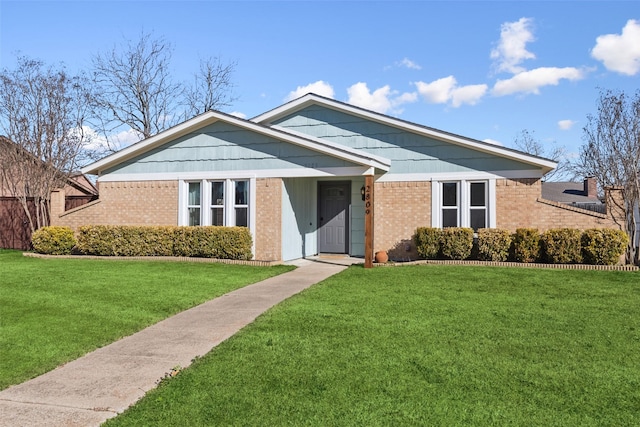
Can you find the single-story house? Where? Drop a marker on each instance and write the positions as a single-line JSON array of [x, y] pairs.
[[316, 175]]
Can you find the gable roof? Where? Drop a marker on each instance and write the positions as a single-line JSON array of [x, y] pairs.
[[210, 117], [74, 179], [310, 99]]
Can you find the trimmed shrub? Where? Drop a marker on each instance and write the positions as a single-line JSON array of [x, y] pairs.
[[53, 240], [493, 244], [209, 242], [562, 246], [143, 241], [456, 242], [213, 242], [427, 242], [526, 245], [96, 240], [603, 246]]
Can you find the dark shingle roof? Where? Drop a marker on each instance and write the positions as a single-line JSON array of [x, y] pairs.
[[566, 192]]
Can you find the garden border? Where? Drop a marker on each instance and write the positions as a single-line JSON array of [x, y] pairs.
[[514, 264], [158, 258]]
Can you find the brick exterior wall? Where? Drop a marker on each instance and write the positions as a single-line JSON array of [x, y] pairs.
[[519, 204], [400, 208], [123, 203], [269, 219]]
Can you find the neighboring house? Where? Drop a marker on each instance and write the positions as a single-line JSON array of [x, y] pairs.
[[578, 194], [15, 232], [320, 176]]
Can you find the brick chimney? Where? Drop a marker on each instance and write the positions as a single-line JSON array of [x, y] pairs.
[[591, 187]]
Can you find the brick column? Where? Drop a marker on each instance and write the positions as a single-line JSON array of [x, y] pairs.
[[56, 205]]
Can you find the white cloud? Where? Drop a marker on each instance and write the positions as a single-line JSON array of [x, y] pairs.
[[118, 141], [405, 98], [238, 114], [382, 100], [493, 141], [566, 124], [446, 90], [470, 94], [438, 91], [531, 81], [319, 88], [512, 47], [125, 138], [407, 63], [620, 52], [360, 95]]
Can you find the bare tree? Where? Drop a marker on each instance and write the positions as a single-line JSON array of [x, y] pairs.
[[211, 88], [134, 89], [525, 141], [42, 113], [611, 153]]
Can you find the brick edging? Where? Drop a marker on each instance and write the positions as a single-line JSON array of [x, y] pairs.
[[514, 264], [158, 258]]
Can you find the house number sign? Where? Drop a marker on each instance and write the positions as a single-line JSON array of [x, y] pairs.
[[367, 200]]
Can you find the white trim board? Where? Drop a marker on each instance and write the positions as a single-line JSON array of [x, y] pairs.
[[453, 176], [267, 173]]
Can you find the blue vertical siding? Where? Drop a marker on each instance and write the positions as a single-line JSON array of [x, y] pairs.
[[299, 213]]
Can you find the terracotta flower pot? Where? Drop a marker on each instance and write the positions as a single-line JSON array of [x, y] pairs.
[[382, 257]]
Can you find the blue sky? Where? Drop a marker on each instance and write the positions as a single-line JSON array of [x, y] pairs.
[[485, 70]]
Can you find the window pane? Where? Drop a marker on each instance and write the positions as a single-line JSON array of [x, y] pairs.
[[449, 194], [242, 196], [449, 217], [217, 193], [478, 219], [194, 216], [478, 194], [217, 216], [241, 217], [194, 193]]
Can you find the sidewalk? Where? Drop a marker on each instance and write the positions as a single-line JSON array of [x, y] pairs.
[[102, 384]]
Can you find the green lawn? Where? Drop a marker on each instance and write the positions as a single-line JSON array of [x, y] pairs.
[[424, 346], [55, 310]]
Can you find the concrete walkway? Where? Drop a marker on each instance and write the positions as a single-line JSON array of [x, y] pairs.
[[102, 384]]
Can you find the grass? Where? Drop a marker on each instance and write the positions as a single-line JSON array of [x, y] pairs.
[[55, 310], [423, 345]]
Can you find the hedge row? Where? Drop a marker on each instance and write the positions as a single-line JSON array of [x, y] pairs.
[[556, 246], [108, 240]]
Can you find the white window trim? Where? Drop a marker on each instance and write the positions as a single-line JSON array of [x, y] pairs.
[[465, 201], [205, 202]]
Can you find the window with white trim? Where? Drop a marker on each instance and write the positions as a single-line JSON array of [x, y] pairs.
[[463, 203], [217, 203], [193, 203], [221, 202], [241, 203], [478, 205], [450, 204]]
